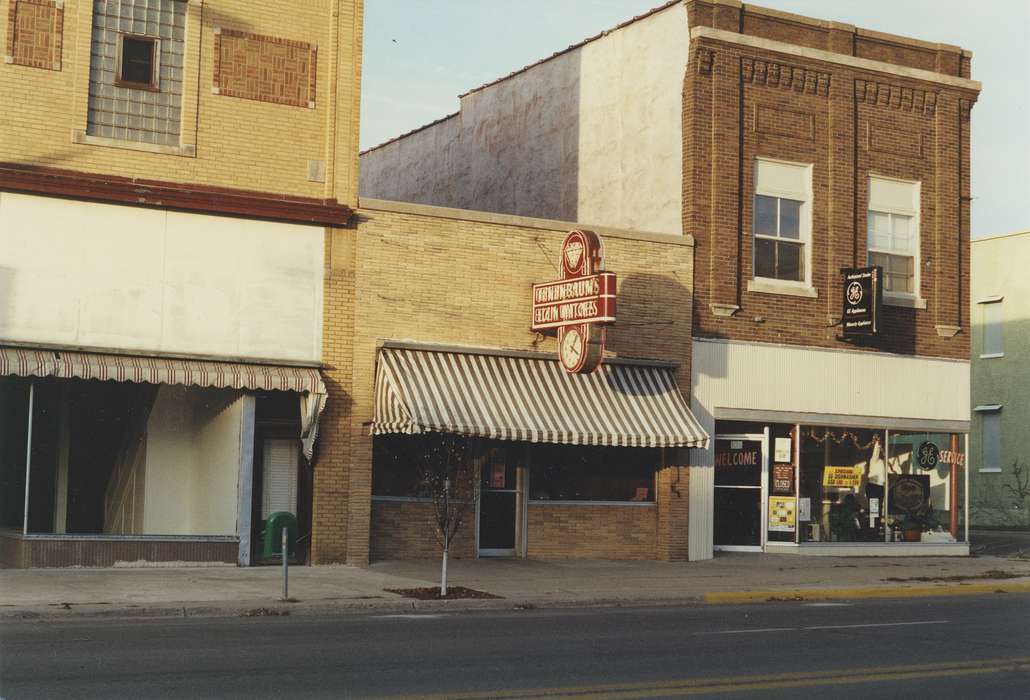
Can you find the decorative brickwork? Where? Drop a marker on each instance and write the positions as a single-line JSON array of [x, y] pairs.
[[848, 123], [265, 68], [35, 33], [785, 77], [897, 97], [705, 59]]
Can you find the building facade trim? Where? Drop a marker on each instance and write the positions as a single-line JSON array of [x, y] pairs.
[[831, 57], [157, 193]]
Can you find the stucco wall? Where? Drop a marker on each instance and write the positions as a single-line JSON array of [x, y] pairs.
[[592, 135], [999, 269], [130, 278]]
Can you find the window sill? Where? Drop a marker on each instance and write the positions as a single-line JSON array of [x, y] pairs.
[[81, 138], [793, 289], [906, 301], [992, 356], [989, 470]]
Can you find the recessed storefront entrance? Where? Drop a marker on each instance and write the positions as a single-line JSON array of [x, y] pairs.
[[740, 468]]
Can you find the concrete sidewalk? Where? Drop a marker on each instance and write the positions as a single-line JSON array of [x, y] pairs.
[[210, 591]]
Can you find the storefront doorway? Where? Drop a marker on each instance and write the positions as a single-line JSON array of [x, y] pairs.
[[499, 503], [741, 463]]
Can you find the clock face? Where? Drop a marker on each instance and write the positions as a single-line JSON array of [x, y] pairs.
[[572, 349]]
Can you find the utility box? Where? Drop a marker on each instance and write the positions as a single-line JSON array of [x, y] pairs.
[[272, 536]]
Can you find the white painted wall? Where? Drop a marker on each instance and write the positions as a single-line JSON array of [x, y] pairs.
[[592, 135], [192, 462], [764, 377], [133, 278]]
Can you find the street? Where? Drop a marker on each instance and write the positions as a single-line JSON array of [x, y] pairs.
[[939, 647]]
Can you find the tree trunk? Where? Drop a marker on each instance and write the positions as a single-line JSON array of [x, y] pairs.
[[443, 575]]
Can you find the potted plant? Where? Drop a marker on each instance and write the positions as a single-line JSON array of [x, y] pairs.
[[913, 525]]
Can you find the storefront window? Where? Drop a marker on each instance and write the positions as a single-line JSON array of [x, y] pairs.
[[842, 485], [925, 487], [579, 473], [399, 462]]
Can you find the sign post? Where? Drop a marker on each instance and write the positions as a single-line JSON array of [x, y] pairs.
[[579, 305]]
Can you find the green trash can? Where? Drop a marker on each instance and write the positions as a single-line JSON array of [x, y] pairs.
[[272, 537]]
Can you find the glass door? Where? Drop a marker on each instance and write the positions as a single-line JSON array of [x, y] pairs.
[[498, 500], [739, 509]]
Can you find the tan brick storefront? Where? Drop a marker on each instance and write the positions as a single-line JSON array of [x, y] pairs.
[[413, 273]]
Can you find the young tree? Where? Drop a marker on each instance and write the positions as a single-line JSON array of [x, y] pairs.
[[449, 475]]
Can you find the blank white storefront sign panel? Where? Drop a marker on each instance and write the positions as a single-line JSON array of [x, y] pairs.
[[142, 279]]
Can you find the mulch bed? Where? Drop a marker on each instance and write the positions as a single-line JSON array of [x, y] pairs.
[[433, 593]]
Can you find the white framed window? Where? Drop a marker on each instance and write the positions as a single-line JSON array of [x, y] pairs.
[[893, 233], [990, 437], [781, 223], [991, 323]]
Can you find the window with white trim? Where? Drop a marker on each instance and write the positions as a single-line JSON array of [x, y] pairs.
[[991, 324], [893, 233], [990, 437], [781, 220]]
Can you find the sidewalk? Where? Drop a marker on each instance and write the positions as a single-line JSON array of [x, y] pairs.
[[221, 591]]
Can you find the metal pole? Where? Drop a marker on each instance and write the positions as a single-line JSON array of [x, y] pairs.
[[953, 506], [28, 461], [286, 569]]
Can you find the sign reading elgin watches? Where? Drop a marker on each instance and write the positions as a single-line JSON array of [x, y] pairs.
[[863, 299], [578, 305]]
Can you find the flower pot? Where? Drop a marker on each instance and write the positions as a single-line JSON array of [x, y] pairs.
[[912, 535]]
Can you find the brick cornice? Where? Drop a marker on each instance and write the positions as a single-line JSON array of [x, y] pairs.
[[156, 193], [832, 57]]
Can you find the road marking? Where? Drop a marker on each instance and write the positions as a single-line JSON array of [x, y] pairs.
[[736, 684], [411, 616], [828, 605], [876, 624], [761, 630]]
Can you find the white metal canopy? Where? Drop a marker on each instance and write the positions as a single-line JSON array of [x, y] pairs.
[[531, 398]]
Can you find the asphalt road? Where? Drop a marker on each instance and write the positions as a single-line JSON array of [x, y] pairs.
[[941, 648]]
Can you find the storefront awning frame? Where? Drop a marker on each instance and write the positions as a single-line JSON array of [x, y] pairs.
[[523, 396]]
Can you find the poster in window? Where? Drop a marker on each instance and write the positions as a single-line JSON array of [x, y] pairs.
[[842, 477], [907, 493], [781, 450], [497, 476], [782, 514], [783, 479]]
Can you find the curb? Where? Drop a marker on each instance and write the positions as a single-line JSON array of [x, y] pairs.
[[798, 594]]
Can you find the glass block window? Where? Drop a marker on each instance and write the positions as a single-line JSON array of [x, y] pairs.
[[780, 220], [893, 233], [136, 70]]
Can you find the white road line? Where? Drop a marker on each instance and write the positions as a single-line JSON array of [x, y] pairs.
[[761, 630], [410, 617], [828, 605], [877, 624]]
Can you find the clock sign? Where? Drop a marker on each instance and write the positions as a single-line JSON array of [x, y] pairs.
[[579, 305]]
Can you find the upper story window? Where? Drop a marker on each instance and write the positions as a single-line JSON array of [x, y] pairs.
[[137, 55], [781, 222], [991, 323], [138, 62], [893, 233]]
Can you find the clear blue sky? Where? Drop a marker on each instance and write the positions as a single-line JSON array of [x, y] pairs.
[[421, 54]]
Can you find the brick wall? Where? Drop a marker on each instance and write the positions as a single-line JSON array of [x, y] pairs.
[[404, 530], [592, 531], [225, 142], [35, 33], [743, 101], [408, 272]]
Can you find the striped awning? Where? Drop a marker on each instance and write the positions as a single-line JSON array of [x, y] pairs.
[[531, 398], [62, 364]]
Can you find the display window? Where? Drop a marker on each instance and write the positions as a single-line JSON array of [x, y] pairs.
[[581, 473]]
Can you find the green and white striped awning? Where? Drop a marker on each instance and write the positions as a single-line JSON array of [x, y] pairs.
[[531, 398]]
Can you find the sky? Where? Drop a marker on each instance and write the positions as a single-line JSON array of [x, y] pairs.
[[421, 54]]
